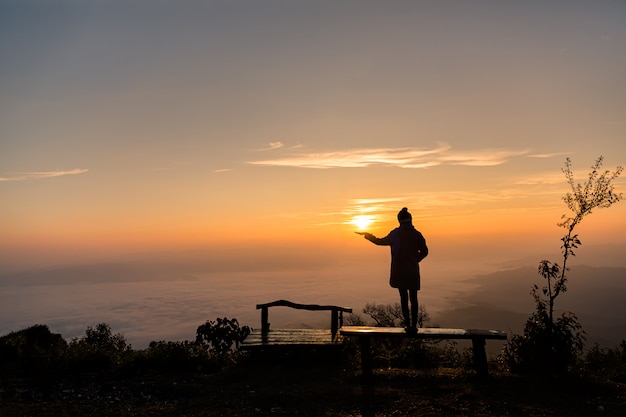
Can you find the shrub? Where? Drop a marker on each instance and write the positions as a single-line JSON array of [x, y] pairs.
[[607, 363], [354, 319], [183, 356], [99, 349], [34, 350], [221, 337], [546, 347]]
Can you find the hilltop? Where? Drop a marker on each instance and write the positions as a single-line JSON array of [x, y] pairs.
[[101, 375], [274, 389]]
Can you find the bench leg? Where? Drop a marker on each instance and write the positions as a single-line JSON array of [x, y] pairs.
[[480, 356], [366, 355], [265, 325], [334, 319]]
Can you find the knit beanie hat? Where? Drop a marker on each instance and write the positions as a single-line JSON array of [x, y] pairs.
[[404, 216]]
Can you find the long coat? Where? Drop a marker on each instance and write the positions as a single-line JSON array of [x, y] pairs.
[[408, 248]]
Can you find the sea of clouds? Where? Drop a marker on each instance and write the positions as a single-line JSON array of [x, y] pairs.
[[150, 300]]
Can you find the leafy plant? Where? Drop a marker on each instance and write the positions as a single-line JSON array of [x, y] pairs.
[[221, 336], [552, 344], [99, 349], [546, 347]]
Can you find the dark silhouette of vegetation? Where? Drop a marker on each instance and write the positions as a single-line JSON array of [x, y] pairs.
[[31, 351], [180, 356], [606, 363], [552, 344], [37, 352], [390, 315], [182, 378], [222, 336], [597, 192], [99, 349]]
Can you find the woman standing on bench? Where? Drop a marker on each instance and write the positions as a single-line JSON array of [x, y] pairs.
[[408, 248]]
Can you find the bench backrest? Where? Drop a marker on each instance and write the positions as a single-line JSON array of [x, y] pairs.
[[336, 312]]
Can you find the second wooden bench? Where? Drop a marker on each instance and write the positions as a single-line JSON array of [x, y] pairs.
[[265, 337]]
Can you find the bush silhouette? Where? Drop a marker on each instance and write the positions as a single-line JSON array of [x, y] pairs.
[[607, 363], [34, 350], [222, 336], [170, 356], [99, 349]]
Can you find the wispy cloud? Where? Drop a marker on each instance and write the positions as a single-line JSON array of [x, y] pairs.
[[432, 205], [272, 145], [547, 178], [547, 155], [442, 154], [38, 175], [217, 171], [433, 200]]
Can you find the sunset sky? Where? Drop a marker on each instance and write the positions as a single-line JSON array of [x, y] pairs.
[[131, 126]]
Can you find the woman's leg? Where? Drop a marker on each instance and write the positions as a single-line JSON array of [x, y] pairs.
[[414, 307], [404, 304]]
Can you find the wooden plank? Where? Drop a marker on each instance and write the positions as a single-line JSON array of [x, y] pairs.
[[336, 312], [422, 333], [312, 307], [365, 333], [300, 337]]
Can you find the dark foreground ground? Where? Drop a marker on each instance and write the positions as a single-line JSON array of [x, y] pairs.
[[254, 389]]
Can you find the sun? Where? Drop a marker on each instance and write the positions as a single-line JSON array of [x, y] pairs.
[[362, 221]]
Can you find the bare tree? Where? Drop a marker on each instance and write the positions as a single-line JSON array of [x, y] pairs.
[[552, 344], [598, 192]]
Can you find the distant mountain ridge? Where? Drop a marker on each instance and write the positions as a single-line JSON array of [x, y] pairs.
[[595, 294]]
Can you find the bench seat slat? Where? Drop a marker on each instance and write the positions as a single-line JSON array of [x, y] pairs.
[[422, 333], [300, 337], [365, 333]]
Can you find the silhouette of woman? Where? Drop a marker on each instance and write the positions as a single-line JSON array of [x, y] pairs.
[[408, 248]]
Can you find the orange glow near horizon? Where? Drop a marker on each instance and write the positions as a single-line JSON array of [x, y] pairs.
[[157, 230], [502, 233]]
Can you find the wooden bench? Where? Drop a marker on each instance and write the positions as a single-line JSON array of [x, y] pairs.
[[265, 337], [364, 334]]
